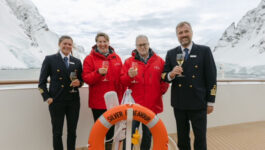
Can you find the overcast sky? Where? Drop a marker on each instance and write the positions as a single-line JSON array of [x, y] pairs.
[[123, 20]]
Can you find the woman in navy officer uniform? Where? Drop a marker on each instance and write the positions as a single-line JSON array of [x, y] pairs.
[[63, 95]]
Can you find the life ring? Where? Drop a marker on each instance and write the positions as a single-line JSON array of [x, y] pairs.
[[116, 114]]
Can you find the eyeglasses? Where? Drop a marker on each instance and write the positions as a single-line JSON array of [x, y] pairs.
[[144, 45]]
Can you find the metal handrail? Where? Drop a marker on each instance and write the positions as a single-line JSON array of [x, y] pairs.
[[241, 80], [10, 82]]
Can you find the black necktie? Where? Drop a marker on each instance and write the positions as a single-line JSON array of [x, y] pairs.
[[186, 53], [66, 62]]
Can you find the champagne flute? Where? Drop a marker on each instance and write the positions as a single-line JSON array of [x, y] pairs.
[[105, 65], [180, 61], [135, 67], [73, 76]]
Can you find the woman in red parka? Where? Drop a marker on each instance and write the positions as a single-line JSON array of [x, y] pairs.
[[101, 71]]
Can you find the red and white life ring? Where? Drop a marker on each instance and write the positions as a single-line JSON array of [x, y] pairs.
[[116, 114]]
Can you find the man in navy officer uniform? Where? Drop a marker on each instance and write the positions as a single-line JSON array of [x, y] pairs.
[[63, 95], [193, 94]]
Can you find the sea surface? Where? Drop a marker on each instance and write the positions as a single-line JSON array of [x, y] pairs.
[[24, 74], [33, 74]]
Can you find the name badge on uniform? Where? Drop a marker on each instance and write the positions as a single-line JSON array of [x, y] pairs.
[[72, 63], [193, 56]]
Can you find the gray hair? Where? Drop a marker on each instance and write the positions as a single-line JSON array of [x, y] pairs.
[[141, 36]]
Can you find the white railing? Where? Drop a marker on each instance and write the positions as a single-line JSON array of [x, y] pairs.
[[25, 121]]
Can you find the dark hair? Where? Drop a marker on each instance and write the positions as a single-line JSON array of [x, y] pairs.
[[102, 34], [181, 24], [63, 37]]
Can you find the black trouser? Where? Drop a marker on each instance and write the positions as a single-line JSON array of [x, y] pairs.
[[198, 119], [58, 111], [146, 139], [96, 114]]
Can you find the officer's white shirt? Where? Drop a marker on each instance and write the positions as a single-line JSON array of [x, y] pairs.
[[62, 54]]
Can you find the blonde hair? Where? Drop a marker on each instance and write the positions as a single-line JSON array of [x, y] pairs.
[[102, 34]]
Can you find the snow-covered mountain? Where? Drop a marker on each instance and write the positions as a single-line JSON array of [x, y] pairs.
[[241, 48], [25, 38]]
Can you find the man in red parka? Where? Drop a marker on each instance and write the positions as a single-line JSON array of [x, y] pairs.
[[142, 74]]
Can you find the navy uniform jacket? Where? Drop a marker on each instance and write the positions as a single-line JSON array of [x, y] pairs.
[[198, 87], [54, 67]]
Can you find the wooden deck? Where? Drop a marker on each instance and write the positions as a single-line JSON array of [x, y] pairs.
[[245, 136]]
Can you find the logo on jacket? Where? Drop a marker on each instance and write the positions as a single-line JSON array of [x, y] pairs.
[[156, 67], [117, 64]]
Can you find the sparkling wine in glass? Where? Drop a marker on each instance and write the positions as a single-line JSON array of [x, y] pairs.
[[73, 76], [105, 65], [135, 67], [180, 61]]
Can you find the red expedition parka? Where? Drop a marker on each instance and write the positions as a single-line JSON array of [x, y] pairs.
[[97, 86], [147, 86]]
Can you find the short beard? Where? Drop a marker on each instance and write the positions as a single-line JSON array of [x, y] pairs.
[[185, 44]]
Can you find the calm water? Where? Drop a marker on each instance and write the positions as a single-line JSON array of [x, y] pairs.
[[28, 74], [33, 74]]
